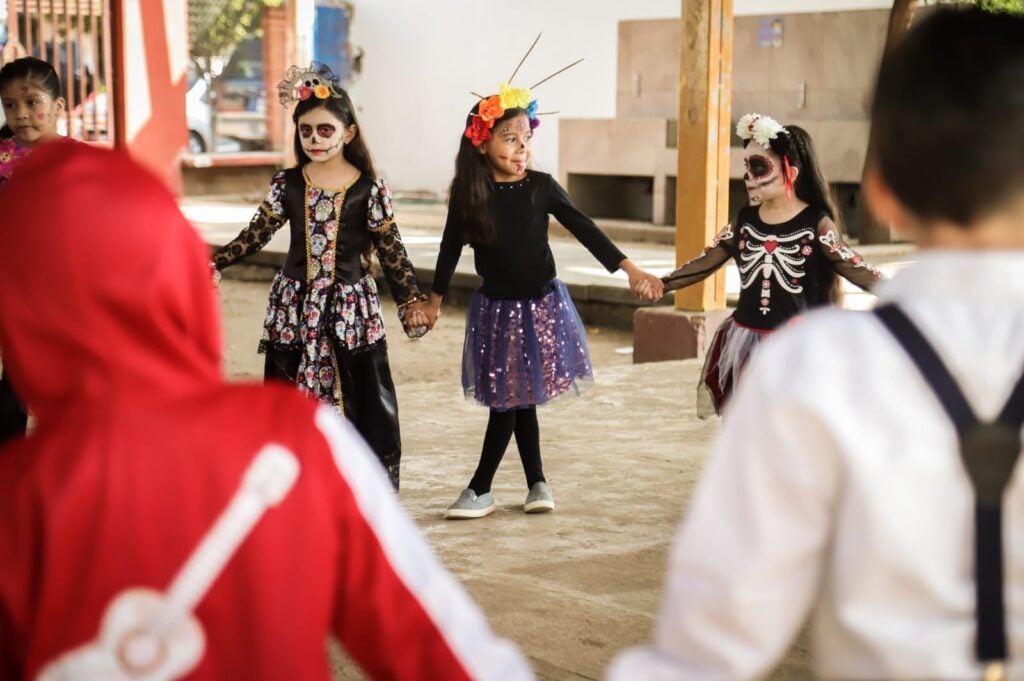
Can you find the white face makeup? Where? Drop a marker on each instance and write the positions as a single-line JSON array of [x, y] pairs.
[[763, 178], [31, 113], [508, 150], [323, 135]]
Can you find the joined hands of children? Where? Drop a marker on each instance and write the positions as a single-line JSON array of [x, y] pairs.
[[432, 308], [644, 285], [416, 315]]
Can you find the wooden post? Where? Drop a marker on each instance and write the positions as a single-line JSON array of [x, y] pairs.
[[702, 185]]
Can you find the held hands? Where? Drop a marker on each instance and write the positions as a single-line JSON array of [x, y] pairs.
[[644, 285], [432, 307], [415, 316], [648, 287], [420, 316], [414, 319]]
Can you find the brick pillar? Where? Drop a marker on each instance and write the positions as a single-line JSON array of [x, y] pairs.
[[275, 61]]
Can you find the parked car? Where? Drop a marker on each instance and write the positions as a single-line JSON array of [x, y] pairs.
[[89, 119], [239, 96], [198, 114]]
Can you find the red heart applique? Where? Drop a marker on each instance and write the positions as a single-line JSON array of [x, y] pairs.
[[771, 245]]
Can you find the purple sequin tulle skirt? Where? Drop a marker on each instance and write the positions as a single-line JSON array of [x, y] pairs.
[[520, 353]]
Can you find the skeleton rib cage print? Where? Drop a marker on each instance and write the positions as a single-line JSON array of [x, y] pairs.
[[778, 257]]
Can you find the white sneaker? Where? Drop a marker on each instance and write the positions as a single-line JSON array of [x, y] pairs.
[[539, 500], [469, 505]]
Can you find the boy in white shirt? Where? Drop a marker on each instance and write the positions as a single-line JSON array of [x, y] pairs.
[[858, 478]]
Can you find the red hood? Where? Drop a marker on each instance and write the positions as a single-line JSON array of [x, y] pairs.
[[104, 287]]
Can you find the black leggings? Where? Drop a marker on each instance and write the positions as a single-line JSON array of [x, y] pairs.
[[369, 395], [500, 427]]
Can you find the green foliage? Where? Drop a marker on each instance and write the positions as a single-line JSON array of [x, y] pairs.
[[1009, 6], [216, 26]]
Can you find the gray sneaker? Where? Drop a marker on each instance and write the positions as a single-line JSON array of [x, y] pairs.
[[469, 505], [539, 500]]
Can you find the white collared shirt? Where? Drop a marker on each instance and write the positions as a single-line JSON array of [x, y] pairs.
[[836, 490]]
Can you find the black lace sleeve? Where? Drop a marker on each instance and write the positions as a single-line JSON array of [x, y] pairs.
[[845, 260], [704, 265], [394, 261], [267, 220]]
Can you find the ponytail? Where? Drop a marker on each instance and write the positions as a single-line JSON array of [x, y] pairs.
[[812, 188]]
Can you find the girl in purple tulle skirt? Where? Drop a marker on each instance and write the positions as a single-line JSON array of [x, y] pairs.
[[525, 343]]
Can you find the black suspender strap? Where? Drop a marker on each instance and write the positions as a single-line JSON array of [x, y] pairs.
[[930, 365], [989, 452]]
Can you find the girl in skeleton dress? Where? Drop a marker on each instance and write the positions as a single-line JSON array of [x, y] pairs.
[[788, 246]]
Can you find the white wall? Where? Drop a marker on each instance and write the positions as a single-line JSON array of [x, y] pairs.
[[422, 58]]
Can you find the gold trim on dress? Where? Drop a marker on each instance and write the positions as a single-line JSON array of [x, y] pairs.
[[310, 183]]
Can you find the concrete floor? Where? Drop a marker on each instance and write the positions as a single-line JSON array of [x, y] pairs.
[[572, 587]]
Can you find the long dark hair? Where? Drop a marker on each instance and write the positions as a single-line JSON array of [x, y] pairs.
[[811, 188], [355, 152], [472, 186], [32, 69]]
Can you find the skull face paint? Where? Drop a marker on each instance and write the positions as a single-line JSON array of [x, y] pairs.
[[322, 134], [764, 173], [759, 166]]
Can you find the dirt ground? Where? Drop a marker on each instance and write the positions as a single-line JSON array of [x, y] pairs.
[[572, 587]]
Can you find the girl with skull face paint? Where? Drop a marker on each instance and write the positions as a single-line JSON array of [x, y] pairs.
[[323, 329], [787, 245]]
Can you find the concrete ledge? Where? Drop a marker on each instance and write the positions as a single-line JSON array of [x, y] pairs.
[[624, 231], [663, 333], [206, 174]]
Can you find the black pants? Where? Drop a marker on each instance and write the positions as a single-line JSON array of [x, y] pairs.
[[13, 418], [368, 392], [500, 427]]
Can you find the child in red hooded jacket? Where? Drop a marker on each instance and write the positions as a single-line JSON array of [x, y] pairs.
[[140, 532]]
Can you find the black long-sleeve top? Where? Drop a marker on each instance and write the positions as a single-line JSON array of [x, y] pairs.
[[782, 267], [518, 264]]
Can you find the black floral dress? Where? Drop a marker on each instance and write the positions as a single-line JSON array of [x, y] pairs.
[[323, 328]]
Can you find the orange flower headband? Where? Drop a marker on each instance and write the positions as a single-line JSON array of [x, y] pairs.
[[494, 107], [299, 84]]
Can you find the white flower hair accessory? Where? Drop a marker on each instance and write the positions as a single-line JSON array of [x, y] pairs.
[[761, 129]]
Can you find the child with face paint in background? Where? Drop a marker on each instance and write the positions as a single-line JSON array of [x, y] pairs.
[[865, 484], [788, 247], [323, 329], [525, 343], [31, 96]]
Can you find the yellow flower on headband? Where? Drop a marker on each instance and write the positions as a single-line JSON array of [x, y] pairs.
[[322, 92], [513, 98]]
